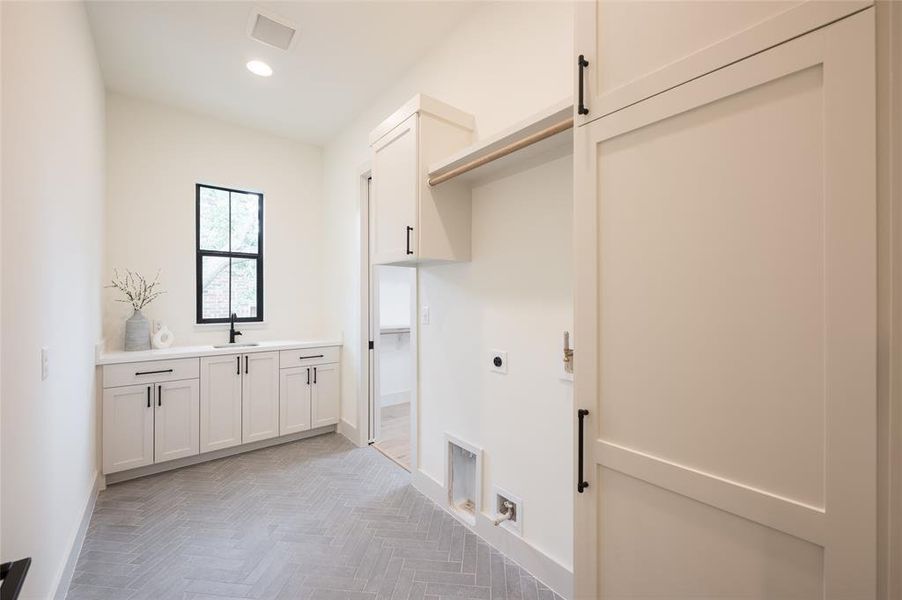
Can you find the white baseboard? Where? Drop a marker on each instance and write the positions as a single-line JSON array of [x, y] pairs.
[[65, 577], [394, 398], [216, 454], [551, 573], [352, 433]]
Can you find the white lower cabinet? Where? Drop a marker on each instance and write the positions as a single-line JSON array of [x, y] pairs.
[[176, 431], [260, 396], [325, 398], [295, 388], [158, 411], [220, 402], [127, 427]]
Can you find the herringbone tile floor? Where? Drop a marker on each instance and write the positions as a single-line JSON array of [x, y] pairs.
[[318, 518]]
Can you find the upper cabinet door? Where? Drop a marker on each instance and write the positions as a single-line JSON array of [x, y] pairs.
[[325, 395], [636, 49], [127, 427], [393, 216], [176, 426], [260, 396], [220, 402]]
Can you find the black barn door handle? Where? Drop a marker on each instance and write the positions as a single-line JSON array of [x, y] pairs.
[[409, 229], [583, 63], [583, 484]]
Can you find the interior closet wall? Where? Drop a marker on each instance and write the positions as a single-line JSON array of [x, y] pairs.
[[53, 165], [508, 61], [396, 373]]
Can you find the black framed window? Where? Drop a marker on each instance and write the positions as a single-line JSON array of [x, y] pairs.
[[229, 254]]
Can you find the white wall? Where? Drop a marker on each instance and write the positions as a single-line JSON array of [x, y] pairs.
[[155, 156], [507, 62], [52, 233]]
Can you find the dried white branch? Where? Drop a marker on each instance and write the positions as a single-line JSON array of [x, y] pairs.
[[135, 289]]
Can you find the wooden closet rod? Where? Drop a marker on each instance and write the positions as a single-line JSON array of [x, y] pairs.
[[503, 151]]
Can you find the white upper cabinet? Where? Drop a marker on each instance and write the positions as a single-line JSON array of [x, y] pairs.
[[176, 420], [260, 396], [394, 202], [128, 427], [410, 222], [325, 400], [295, 386], [220, 402], [634, 50]]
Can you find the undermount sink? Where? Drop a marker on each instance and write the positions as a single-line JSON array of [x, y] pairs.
[[236, 345]]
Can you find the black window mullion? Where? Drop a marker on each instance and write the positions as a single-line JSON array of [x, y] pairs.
[[230, 254]]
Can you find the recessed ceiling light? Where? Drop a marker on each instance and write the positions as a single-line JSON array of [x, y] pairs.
[[258, 67]]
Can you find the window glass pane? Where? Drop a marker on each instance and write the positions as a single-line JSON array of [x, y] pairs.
[[245, 222], [214, 219], [244, 287], [215, 287]]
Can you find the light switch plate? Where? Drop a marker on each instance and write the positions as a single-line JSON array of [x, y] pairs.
[[424, 315]]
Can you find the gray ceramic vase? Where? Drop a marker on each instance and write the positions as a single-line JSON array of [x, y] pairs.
[[137, 332]]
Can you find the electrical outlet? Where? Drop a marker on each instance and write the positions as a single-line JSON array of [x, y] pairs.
[[45, 363], [498, 361]]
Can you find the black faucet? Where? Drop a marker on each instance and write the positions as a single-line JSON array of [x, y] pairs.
[[232, 332]]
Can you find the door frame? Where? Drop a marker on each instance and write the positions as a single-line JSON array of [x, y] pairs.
[[366, 409]]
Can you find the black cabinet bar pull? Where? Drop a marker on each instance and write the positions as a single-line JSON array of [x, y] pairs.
[[409, 229], [159, 395], [314, 374], [583, 484], [153, 372], [582, 109], [238, 366], [148, 396], [313, 356], [245, 364], [308, 375]]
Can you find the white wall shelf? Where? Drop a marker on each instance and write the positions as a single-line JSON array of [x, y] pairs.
[[560, 144]]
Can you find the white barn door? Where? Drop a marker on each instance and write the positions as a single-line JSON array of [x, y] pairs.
[[725, 234]]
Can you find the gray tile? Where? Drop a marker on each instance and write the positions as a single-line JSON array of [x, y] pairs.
[[316, 519]]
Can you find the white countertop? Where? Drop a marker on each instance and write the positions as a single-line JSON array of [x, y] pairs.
[[112, 358]]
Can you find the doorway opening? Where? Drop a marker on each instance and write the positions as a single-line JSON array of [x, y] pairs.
[[394, 374], [388, 387]]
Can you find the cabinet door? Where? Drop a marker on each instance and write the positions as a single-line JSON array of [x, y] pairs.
[[295, 387], [176, 423], [725, 307], [638, 49], [260, 396], [127, 427], [325, 395], [220, 402], [393, 205]]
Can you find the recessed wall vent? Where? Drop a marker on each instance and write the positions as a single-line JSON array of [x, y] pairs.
[[271, 30], [463, 478]]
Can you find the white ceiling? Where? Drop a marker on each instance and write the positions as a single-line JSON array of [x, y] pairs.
[[193, 54]]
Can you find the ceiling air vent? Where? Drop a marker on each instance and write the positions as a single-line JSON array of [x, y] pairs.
[[271, 30]]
